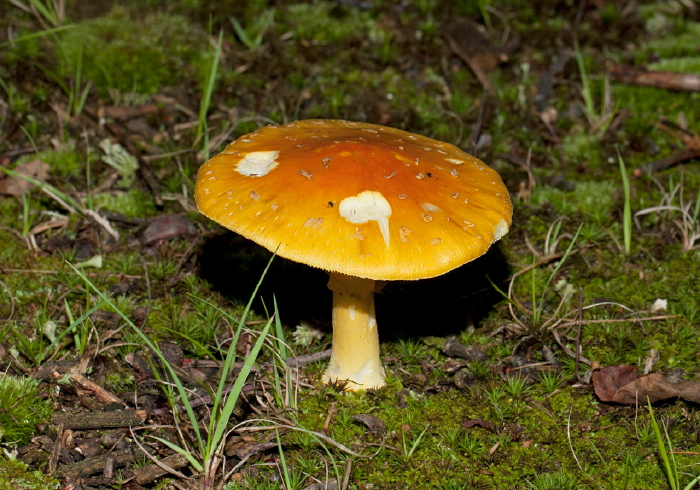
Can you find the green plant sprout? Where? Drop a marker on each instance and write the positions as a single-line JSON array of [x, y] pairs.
[[252, 37], [560, 480], [587, 90], [599, 122], [51, 12], [550, 381], [77, 95], [76, 92], [516, 386], [81, 330], [410, 447], [37, 351], [627, 210], [281, 369]]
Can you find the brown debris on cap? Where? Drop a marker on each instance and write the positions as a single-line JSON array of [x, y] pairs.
[[359, 199]]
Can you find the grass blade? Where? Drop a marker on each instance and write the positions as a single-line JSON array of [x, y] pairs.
[[627, 211], [206, 96], [666, 456]]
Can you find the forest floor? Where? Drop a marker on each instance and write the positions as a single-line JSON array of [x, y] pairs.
[[567, 357]]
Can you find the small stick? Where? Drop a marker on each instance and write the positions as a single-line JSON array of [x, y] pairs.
[[669, 80], [668, 162], [346, 478], [299, 361], [100, 393], [56, 450]]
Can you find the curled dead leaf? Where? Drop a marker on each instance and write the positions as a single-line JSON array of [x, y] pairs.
[[622, 384], [372, 422], [484, 424]]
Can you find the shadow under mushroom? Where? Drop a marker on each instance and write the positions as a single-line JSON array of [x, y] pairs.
[[440, 306]]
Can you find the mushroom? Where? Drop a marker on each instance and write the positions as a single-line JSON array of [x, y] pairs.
[[365, 202]]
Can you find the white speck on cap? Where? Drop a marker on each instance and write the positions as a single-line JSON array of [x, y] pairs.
[[258, 163], [431, 208], [314, 223]]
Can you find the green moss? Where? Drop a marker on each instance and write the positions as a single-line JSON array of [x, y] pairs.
[[15, 475], [648, 104], [594, 200], [548, 436], [66, 162], [678, 38], [319, 22], [132, 54], [21, 409], [685, 64], [582, 148], [134, 202]]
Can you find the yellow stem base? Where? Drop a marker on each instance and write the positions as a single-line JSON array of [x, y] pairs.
[[355, 358]]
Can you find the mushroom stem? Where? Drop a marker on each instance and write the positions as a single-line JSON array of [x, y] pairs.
[[355, 356]]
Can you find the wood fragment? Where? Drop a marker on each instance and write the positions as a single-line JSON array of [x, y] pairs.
[[249, 450], [630, 75], [691, 150], [100, 420], [151, 472], [108, 471], [346, 478], [331, 484], [58, 445], [100, 393], [300, 361], [96, 464], [668, 162]]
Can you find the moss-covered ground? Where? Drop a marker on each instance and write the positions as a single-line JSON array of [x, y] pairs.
[[78, 78]]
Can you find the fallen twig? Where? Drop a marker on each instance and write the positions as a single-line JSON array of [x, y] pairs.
[[669, 80], [668, 162]]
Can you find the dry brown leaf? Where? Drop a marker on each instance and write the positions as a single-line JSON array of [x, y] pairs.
[[16, 186], [621, 384], [372, 422], [484, 424], [607, 381]]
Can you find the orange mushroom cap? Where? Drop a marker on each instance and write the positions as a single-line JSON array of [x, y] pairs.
[[355, 198]]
